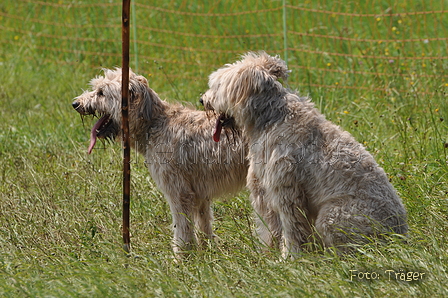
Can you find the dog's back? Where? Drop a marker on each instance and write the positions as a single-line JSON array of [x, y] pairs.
[[184, 161], [180, 147]]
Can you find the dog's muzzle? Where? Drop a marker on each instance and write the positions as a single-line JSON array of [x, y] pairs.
[[75, 105], [104, 128], [207, 106], [79, 108]]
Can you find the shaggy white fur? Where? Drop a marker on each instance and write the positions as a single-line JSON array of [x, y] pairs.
[[187, 166], [307, 176]]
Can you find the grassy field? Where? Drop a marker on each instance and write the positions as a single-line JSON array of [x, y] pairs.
[[379, 74]]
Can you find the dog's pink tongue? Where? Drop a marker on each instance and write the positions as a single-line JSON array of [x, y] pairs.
[[93, 133], [218, 129]]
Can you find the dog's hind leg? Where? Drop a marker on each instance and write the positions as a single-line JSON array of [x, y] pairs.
[[181, 209], [349, 220], [203, 217]]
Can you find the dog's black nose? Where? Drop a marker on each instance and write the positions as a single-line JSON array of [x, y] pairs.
[[75, 105], [201, 101]]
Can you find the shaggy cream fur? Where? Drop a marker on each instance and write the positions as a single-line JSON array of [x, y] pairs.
[[187, 166], [307, 176]]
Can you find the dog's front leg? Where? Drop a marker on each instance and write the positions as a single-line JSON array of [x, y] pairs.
[[181, 209], [291, 205], [268, 222]]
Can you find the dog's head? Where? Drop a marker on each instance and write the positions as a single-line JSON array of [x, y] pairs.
[[234, 85], [105, 101]]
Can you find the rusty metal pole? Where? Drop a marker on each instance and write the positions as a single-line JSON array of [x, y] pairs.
[[125, 123]]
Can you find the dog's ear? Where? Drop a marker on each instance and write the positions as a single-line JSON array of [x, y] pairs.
[[273, 65], [145, 109], [149, 103], [142, 80], [256, 73], [250, 80], [140, 95]]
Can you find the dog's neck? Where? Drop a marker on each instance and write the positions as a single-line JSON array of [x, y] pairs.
[[266, 112], [261, 112], [143, 127]]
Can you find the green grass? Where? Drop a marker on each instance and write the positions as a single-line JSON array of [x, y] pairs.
[[60, 211]]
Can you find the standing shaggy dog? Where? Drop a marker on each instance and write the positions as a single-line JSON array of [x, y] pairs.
[[187, 166], [307, 176]]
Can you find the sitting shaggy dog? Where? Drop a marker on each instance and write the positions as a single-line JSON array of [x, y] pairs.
[[187, 166], [307, 176]]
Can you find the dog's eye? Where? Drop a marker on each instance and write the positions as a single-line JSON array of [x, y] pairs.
[[100, 93]]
